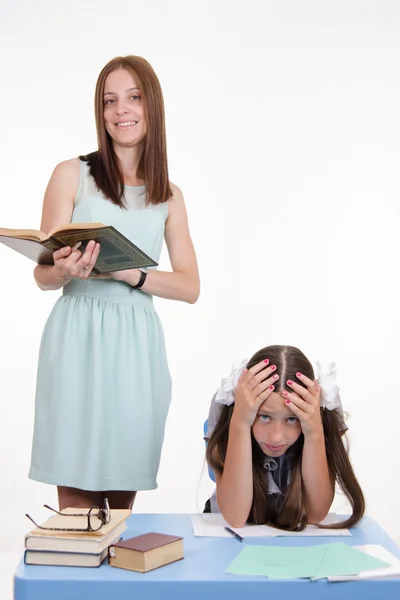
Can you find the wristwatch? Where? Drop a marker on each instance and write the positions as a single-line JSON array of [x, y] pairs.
[[142, 279]]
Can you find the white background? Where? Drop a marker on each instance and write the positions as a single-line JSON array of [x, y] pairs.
[[283, 127]]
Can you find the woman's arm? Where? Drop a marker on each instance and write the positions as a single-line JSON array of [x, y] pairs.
[[183, 282], [58, 205]]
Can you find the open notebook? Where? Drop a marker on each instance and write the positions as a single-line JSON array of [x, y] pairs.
[[212, 525]]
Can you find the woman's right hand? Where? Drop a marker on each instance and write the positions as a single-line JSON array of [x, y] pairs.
[[254, 387], [73, 264]]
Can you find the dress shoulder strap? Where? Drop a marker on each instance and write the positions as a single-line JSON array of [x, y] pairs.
[[87, 186]]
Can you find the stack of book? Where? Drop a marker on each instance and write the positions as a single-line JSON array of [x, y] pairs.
[[74, 549]]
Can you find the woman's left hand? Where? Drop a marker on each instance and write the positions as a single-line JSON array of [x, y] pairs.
[[305, 404]]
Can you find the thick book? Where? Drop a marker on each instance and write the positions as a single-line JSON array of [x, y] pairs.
[[117, 252], [146, 552], [64, 559], [92, 542]]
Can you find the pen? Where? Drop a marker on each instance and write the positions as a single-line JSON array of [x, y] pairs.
[[236, 535]]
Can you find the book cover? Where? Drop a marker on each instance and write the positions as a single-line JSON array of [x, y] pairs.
[[146, 552], [117, 252]]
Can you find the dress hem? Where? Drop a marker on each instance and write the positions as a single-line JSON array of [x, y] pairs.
[[55, 479]]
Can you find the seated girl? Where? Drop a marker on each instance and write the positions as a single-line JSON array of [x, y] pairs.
[[275, 444]]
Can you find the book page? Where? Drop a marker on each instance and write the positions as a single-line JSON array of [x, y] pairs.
[[75, 227], [26, 234], [35, 234]]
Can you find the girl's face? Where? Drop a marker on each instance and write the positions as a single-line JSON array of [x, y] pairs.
[[275, 428], [123, 109]]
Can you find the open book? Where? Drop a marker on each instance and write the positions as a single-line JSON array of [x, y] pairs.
[[117, 253]]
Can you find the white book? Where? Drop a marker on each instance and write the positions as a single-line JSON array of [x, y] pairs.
[[64, 559], [213, 525], [391, 572]]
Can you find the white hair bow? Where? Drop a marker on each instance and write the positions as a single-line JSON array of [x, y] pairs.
[[226, 393], [330, 397]]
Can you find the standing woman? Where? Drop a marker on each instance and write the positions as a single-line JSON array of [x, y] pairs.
[[103, 385]]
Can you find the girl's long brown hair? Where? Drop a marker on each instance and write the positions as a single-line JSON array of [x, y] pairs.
[[292, 515], [153, 165]]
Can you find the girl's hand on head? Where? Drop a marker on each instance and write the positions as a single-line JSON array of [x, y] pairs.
[[254, 387], [305, 404], [73, 264]]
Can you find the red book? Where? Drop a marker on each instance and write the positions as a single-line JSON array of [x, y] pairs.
[[146, 552]]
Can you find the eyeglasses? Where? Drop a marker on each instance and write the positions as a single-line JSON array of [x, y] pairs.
[[96, 518]]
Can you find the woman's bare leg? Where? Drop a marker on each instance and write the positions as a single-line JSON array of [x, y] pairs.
[[76, 498], [120, 499]]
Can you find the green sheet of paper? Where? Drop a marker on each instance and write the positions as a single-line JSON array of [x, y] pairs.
[[314, 562], [341, 559], [283, 561]]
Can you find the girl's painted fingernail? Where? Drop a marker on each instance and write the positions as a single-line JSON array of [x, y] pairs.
[[273, 367], [276, 376], [285, 393], [299, 375], [289, 382], [266, 361], [271, 387], [287, 401]]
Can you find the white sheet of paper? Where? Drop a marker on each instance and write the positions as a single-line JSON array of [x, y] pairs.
[[212, 525], [392, 572]]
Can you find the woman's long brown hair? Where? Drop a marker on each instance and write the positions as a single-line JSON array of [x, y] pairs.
[[153, 165], [292, 515]]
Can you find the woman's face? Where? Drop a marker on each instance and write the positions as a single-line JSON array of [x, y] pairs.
[[123, 109]]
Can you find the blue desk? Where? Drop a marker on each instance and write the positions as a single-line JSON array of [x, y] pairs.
[[200, 575]]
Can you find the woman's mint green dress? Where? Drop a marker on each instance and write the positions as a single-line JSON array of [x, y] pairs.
[[103, 384]]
